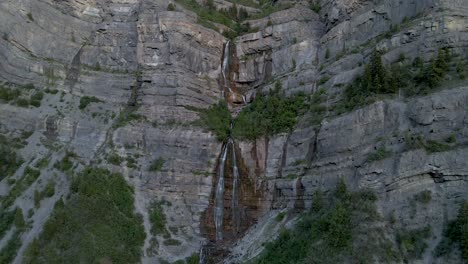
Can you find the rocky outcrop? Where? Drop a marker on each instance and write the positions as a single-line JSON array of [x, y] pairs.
[[151, 69]]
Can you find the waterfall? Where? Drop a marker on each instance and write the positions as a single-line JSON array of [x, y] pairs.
[[225, 70], [219, 196], [235, 195], [201, 256]]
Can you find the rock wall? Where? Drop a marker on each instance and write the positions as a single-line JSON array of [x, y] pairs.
[[150, 68]]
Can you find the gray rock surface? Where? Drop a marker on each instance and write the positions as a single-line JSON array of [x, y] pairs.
[[136, 57]]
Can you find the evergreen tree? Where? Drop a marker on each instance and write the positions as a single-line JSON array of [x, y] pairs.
[[19, 218]]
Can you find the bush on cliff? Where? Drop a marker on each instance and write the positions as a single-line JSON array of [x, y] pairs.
[[217, 119], [339, 228], [96, 224], [269, 114]]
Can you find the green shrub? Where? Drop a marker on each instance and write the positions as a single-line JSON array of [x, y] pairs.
[[217, 119], [323, 80], [8, 252], [315, 6], [279, 217], [19, 219], [171, 7], [172, 242], [22, 102], [9, 94], [66, 163], [36, 99], [42, 163], [96, 224], [415, 79], [37, 198], [114, 158], [6, 221], [86, 100], [10, 161], [338, 231], [380, 154], [29, 176], [269, 114], [156, 165], [131, 162], [30, 17], [193, 259], [157, 219], [455, 233], [51, 91], [49, 189], [435, 146], [327, 53], [414, 141], [412, 243], [451, 139], [423, 197], [125, 118]]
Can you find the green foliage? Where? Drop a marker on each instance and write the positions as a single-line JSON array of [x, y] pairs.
[[207, 12], [423, 197], [86, 100], [51, 91], [193, 259], [455, 233], [231, 17], [131, 162], [66, 163], [217, 119], [97, 224], [156, 165], [315, 6], [30, 17], [30, 175], [42, 163], [9, 94], [317, 202], [114, 158], [157, 219], [269, 115], [172, 242], [49, 191], [10, 161], [279, 217], [323, 80], [435, 146], [22, 102], [36, 99], [380, 154], [327, 53], [414, 141], [6, 221], [15, 95], [414, 79], [338, 231], [125, 118], [171, 7], [412, 243], [8, 252], [19, 219], [417, 142], [37, 198]]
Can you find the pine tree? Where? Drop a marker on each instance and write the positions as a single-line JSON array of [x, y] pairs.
[[19, 218]]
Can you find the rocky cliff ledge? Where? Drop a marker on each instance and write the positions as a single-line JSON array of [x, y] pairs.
[[121, 84]]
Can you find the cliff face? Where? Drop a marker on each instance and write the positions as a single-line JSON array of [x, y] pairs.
[[149, 69]]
